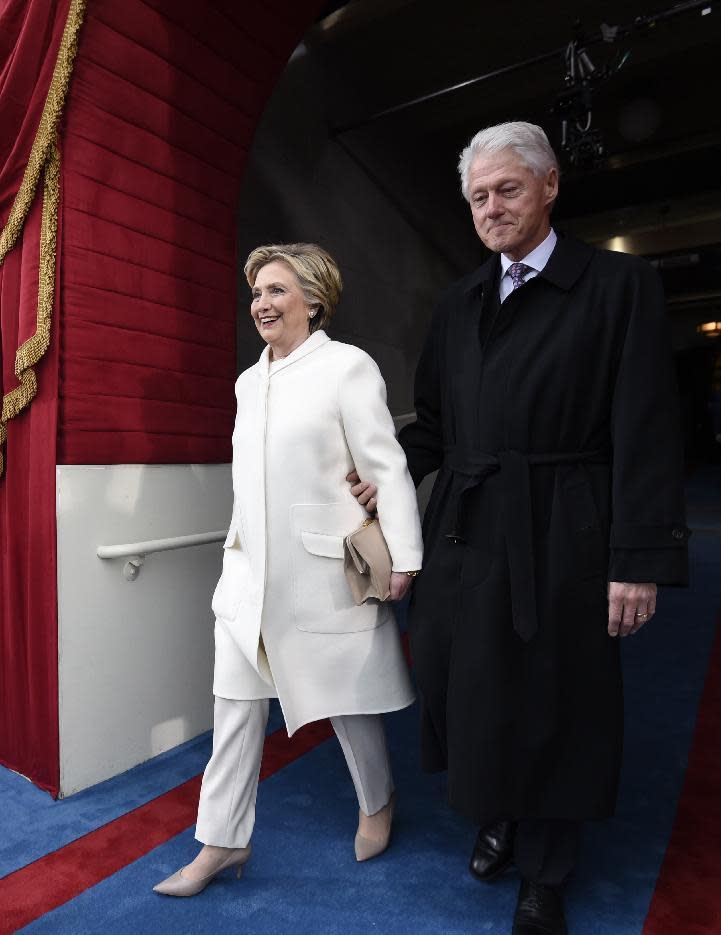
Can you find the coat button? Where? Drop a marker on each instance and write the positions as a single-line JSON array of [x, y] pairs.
[[678, 534]]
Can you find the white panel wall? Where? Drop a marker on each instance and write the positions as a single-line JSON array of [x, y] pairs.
[[135, 658]]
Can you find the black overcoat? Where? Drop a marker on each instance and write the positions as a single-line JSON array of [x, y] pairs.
[[553, 419]]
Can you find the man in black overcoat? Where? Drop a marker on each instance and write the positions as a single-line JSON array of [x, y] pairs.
[[546, 399]]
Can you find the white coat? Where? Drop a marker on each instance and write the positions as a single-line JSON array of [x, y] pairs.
[[302, 424]]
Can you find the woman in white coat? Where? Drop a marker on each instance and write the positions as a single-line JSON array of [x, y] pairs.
[[286, 624]]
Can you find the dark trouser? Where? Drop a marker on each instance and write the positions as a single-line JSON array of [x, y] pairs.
[[545, 851]]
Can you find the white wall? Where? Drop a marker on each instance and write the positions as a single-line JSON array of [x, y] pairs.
[[135, 658]]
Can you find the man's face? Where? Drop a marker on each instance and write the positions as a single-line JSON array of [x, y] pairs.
[[510, 205]]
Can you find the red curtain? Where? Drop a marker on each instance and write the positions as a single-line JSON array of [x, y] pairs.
[[161, 111], [30, 32]]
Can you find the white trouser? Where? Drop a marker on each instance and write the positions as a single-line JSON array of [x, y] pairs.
[[226, 812]]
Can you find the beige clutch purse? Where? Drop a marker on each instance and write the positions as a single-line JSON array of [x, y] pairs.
[[367, 563]]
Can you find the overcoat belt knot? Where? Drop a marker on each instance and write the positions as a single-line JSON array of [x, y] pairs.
[[470, 470]]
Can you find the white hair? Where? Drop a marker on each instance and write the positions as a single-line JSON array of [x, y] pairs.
[[526, 139]]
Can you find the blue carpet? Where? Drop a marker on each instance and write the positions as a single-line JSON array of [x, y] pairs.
[[56, 823], [303, 878]]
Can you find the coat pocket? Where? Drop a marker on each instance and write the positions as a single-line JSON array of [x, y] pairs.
[[233, 587], [322, 600], [318, 543], [590, 546]]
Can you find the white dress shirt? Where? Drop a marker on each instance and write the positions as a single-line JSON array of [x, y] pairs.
[[536, 259]]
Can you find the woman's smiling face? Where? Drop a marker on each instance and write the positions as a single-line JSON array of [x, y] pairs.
[[279, 308]]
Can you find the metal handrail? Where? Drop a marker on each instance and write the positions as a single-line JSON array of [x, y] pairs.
[[160, 545], [135, 552]]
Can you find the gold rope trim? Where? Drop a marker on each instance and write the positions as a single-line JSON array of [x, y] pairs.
[[16, 400], [44, 157], [13, 403], [30, 351], [47, 128]]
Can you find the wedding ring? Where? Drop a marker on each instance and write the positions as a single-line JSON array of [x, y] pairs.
[[640, 616]]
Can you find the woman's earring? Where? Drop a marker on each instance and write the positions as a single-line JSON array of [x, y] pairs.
[[311, 314]]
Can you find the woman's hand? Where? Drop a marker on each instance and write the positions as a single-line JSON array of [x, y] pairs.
[[400, 582]]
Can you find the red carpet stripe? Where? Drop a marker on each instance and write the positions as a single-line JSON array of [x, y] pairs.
[[58, 877], [687, 899]]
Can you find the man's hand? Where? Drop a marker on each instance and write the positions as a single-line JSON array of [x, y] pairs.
[[629, 607], [400, 582], [364, 493]]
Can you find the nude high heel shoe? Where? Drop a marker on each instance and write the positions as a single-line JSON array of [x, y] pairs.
[[178, 885], [365, 847]]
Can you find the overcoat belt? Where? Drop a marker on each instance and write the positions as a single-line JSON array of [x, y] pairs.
[[469, 470]]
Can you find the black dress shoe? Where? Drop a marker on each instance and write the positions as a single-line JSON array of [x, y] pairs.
[[539, 910], [493, 851]]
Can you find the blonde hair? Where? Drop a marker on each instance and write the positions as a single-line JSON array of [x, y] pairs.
[[316, 271]]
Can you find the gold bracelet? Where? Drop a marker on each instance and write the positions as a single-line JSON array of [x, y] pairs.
[[413, 574]]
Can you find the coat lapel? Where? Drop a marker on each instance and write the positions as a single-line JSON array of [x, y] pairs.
[[466, 352], [485, 272], [569, 259], [477, 291]]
